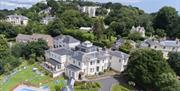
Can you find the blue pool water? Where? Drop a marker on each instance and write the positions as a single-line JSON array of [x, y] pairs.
[[25, 89]]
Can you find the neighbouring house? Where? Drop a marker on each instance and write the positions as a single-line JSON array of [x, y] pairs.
[[164, 45], [108, 11], [46, 11], [118, 60], [47, 19], [56, 60], [90, 10], [34, 37], [65, 41], [138, 29], [85, 29], [118, 43], [17, 20]]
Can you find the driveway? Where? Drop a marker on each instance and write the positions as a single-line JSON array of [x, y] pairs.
[[107, 82]]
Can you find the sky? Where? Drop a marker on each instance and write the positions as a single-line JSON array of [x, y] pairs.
[[148, 6]]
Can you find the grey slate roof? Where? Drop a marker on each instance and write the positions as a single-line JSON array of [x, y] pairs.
[[169, 43], [72, 67], [119, 54], [67, 39], [166, 43], [63, 51], [53, 62]]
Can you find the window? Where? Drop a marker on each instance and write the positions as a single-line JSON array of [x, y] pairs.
[[119, 60], [97, 68], [79, 64], [98, 61], [74, 62], [91, 63]]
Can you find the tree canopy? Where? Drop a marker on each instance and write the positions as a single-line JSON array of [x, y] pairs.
[[174, 61], [165, 18], [149, 69]]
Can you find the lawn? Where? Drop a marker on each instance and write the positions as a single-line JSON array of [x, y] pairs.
[[27, 75], [119, 87], [86, 89]]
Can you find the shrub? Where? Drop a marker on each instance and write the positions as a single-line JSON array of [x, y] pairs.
[[101, 73]]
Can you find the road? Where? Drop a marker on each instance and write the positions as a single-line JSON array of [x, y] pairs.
[[107, 83]]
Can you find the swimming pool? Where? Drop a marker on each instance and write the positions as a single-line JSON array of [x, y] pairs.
[[26, 89], [30, 88]]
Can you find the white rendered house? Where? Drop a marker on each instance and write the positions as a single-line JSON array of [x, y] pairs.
[[17, 20], [83, 60], [87, 60], [90, 10], [138, 29]]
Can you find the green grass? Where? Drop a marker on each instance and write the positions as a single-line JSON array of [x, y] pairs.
[[27, 75], [118, 87], [86, 89]]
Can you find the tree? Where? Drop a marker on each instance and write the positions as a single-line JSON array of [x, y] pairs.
[[160, 33], [37, 47], [101, 11], [176, 28], [4, 48], [74, 19], [126, 47], [174, 61], [135, 36], [7, 29], [118, 27], [19, 50], [55, 28], [165, 18], [98, 28], [149, 69], [54, 5]]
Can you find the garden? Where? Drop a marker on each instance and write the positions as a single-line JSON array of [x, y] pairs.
[[35, 75], [30, 74]]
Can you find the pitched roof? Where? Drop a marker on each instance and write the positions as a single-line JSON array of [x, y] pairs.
[[18, 16], [119, 54], [63, 51], [72, 67], [53, 62], [23, 36], [67, 39], [170, 43]]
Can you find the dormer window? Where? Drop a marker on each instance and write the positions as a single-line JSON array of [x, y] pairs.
[[155, 47], [164, 47]]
